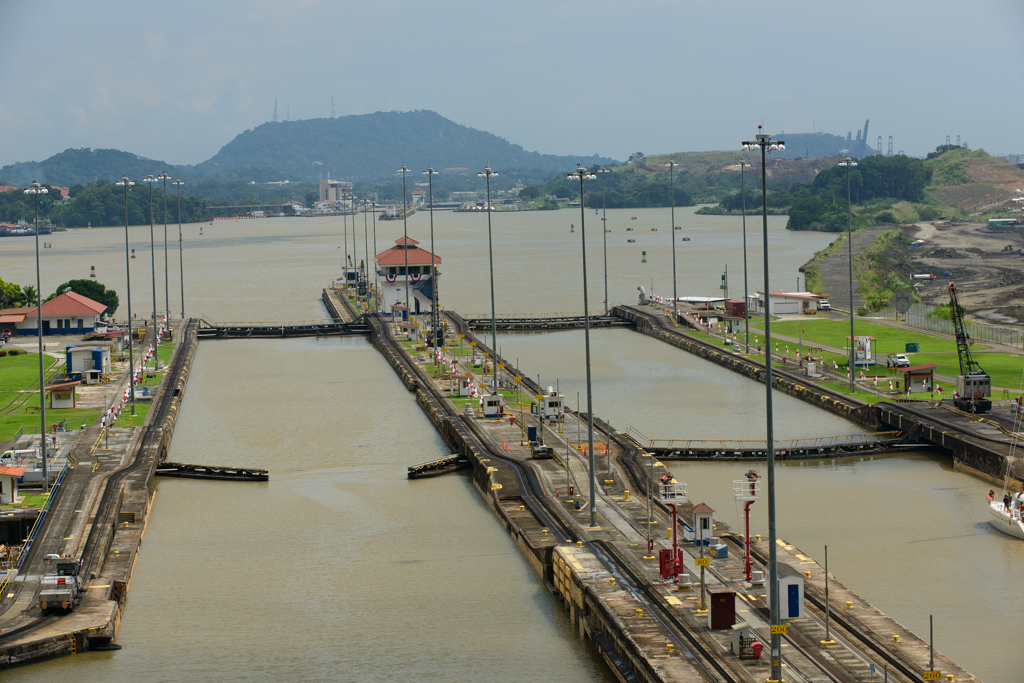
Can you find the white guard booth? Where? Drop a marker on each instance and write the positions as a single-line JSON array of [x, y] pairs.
[[553, 404], [791, 592], [492, 405], [703, 520]]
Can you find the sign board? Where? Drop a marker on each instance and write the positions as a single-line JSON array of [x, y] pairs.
[[901, 301], [462, 336], [702, 562], [780, 629], [472, 343], [501, 366], [538, 396], [517, 379], [932, 675]]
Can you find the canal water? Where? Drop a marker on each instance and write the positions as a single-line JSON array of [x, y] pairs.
[[340, 569]]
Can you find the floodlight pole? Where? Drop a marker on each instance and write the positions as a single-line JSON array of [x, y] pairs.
[[487, 173], [35, 190], [604, 224], [128, 280], [167, 281], [405, 246], [430, 173], [848, 162], [181, 264], [583, 174], [149, 179], [763, 143], [672, 200], [746, 288]]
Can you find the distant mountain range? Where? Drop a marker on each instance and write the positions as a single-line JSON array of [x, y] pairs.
[[366, 147]]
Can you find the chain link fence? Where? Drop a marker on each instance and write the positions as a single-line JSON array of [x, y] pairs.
[[918, 317]]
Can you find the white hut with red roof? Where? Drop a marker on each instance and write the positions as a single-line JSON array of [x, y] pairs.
[[392, 276]]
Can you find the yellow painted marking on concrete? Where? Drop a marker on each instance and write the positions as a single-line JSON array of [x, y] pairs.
[[801, 557], [672, 600], [577, 565], [744, 610]]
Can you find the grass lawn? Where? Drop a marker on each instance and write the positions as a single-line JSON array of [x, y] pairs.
[[1003, 368], [165, 351], [834, 333], [127, 420], [861, 394], [10, 424], [36, 500], [22, 371]]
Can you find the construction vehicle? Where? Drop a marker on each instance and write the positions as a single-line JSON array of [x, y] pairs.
[[973, 385], [62, 586]]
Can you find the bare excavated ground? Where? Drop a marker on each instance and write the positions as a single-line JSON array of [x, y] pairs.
[[989, 278], [835, 270]]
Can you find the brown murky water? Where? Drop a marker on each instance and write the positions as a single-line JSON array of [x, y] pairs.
[[341, 569]]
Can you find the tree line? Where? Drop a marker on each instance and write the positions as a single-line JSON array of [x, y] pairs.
[[22, 296], [100, 203]]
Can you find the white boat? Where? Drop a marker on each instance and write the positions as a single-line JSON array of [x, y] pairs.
[[1005, 520]]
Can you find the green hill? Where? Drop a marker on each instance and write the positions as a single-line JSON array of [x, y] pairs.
[[374, 145]]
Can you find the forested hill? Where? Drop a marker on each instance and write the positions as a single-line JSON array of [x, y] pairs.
[[374, 145], [80, 166]]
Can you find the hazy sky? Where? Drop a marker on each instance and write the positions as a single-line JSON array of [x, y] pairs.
[[177, 80]]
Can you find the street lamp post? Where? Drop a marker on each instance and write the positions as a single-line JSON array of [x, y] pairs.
[[672, 200], [373, 219], [127, 184], [430, 173], [763, 143], [848, 163], [167, 286], [366, 248], [181, 265], [604, 224], [746, 288], [35, 190], [582, 174], [487, 173], [405, 244], [149, 179]]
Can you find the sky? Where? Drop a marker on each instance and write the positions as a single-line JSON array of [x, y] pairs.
[[177, 81]]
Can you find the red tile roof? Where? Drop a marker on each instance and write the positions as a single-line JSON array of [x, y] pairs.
[[702, 508], [396, 255], [69, 303], [12, 471]]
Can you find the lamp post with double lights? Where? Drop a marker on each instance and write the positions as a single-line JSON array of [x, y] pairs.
[[181, 264], [763, 143], [127, 185], [35, 190], [488, 173], [604, 225], [373, 219], [405, 245], [848, 163], [746, 288], [672, 200], [582, 174], [167, 282], [430, 173], [149, 179]]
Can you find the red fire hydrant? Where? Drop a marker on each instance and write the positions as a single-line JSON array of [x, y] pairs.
[[757, 647]]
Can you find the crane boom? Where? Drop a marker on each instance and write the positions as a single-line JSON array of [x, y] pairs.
[[968, 366], [974, 386]]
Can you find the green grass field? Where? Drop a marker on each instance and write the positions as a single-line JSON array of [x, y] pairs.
[[1003, 368], [22, 372], [11, 423], [834, 333], [30, 500]]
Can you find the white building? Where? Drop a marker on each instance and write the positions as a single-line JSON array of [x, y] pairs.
[[9, 484], [69, 313], [782, 303], [392, 276], [335, 191]]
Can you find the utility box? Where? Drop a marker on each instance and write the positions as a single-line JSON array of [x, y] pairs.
[[735, 307], [719, 551], [531, 433], [665, 564], [721, 607], [912, 347]]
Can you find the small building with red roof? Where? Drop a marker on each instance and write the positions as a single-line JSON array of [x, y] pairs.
[[919, 379], [9, 484], [392, 276], [67, 313]]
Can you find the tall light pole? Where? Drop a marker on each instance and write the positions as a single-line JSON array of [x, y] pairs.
[[344, 259], [355, 241], [582, 174], [763, 143], [366, 248], [487, 173], [405, 245], [149, 179], [167, 282], [848, 162], [604, 224], [373, 219], [127, 184], [181, 264], [430, 173], [672, 199], [746, 288], [35, 190]]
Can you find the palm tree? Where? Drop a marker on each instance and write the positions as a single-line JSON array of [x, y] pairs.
[[28, 295]]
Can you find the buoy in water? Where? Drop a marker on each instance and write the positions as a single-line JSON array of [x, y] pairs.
[[644, 260], [92, 271], [572, 227], [133, 253]]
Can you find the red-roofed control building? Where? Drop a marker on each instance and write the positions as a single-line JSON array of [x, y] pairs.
[[391, 276], [68, 313]]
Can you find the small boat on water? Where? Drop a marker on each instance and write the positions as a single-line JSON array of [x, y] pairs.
[[654, 230], [631, 241], [629, 229], [632, 218], [685, 239], [1006, 520]]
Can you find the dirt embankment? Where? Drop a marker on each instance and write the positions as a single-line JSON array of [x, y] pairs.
[[986, 263]]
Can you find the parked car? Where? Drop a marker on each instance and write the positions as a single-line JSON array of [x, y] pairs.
[[824, 306], [900, 360]]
